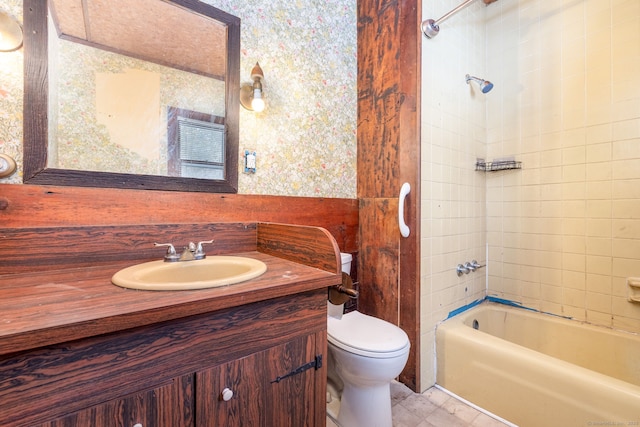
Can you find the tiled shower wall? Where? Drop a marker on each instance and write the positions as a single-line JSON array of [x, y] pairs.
[[454, 133], [564, 232]]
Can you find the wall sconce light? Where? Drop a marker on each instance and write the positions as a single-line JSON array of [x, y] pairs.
[[251, 93], [10, 33]]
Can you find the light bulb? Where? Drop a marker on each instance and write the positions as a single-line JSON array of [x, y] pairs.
[[257, 103]]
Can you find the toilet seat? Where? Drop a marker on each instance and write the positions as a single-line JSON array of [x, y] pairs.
[[367, 336]]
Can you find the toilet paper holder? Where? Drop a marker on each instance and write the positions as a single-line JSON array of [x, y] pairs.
[[347, 291], [340, 294]]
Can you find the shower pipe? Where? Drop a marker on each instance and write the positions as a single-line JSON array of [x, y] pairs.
[[431, 28]]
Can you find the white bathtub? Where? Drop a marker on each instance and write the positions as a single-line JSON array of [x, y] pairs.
[[535, 369]]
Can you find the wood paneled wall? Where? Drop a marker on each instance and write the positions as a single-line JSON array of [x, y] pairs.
[[389, 40], [30, 250], [31, 206]]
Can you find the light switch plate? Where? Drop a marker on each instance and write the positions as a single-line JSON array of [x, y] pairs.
[[249, 161]]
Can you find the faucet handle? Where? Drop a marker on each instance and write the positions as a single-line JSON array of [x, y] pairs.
[[461, 269], [475, 265], [199, 253], [171, 254]]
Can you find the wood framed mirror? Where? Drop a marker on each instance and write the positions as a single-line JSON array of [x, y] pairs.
[[93, 66]]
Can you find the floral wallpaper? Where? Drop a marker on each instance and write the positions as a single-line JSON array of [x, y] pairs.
[[11, 98], [305, 139]]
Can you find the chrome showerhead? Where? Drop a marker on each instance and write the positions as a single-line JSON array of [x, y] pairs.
[[485, 85]]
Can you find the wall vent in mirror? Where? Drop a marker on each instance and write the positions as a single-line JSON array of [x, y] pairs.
[[196, 144]]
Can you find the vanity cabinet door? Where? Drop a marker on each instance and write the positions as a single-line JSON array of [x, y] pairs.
[[170, 405], [243, 379], [298, 365], [266, 391]]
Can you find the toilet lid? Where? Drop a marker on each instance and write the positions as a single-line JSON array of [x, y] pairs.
[[357, 331]]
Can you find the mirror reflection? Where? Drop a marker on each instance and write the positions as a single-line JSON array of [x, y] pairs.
[[139, 88], [110, 112]]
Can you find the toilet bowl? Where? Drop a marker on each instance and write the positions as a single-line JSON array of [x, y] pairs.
[[365, 355]]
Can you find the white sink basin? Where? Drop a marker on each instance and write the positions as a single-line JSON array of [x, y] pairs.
[[210, 272]]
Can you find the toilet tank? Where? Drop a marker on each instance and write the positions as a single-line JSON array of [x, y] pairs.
[[346, 262]]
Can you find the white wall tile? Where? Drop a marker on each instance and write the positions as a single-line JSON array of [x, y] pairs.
[[587, 166], [563, 233]]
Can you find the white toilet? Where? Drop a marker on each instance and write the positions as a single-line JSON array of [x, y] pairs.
[[365, 355]]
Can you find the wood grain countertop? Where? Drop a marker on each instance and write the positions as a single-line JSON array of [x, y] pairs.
[[44, 308]]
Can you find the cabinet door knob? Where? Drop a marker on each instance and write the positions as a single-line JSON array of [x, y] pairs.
[[226, 394]]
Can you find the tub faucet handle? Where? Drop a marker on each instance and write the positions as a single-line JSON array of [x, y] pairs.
[[475, 265], [470, 266], [462, 269]]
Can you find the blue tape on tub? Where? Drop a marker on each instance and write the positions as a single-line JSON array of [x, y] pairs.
[[507, 302], [499, 301], [464, 308], [519, 305]]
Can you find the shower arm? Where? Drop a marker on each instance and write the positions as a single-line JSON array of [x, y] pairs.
[[453, 12]]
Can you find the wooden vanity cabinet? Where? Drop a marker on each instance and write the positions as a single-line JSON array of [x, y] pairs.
[[167, 405], [261, 396], [271, 354]]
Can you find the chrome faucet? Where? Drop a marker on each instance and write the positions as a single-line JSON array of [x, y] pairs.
[[191, 252], [188, 252], [462, 269], [467, 267]]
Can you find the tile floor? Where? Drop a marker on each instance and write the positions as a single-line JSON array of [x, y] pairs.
[[433, 408]]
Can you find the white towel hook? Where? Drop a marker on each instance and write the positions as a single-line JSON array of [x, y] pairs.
[[404, 228]]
